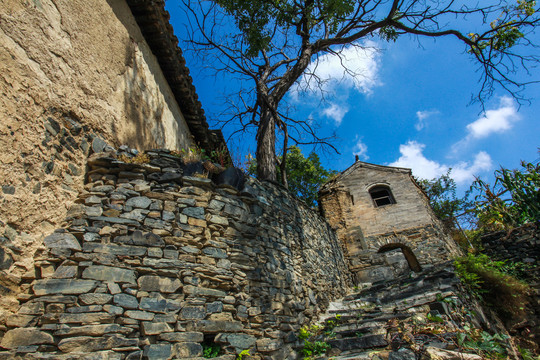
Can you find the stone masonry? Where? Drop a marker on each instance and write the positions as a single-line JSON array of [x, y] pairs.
[[367, 230], [154, 264]]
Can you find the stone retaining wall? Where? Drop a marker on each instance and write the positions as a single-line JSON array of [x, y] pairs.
[[520, 245], [155, 264]]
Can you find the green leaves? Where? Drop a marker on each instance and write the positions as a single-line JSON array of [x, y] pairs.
[[388, 33], [442, 196], [258, 20], [484, 343], [490, 282], [252, 18], [513, 200], [506, 29], [306, 175], [312, 336]]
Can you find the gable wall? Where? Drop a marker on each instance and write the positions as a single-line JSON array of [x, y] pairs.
[[410, 209], [71, 70]]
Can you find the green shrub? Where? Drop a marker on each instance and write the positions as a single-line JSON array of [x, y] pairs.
[[488, 280], [487, 345]]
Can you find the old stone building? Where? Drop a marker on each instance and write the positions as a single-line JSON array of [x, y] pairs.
[[384, 221]]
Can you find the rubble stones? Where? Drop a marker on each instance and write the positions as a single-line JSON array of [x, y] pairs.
[[62, 241], [154, 269], [91, 344], [63, 286], [108, 273], [25, 337], [158, 283]]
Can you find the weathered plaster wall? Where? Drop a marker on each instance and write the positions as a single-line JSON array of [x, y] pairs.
[[66, 61], [155, 262]]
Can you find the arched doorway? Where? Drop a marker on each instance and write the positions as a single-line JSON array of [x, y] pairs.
[[407, 252]]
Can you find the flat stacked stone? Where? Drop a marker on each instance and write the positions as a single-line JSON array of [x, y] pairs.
[[155, 264]]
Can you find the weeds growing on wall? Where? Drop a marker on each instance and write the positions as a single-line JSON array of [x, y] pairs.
[[487, 279], [314, 337], [210, 350], [195, 154], [140, 158]]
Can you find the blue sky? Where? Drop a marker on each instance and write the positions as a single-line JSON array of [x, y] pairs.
[[410, 107]]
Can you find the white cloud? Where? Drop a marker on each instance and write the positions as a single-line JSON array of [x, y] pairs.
[[422, 117], [328, 74], [462, 172], [360, 149], [336, 112], [495, 121], [412, 157]]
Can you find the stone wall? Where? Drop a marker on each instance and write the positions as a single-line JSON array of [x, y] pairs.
[[153, 263], [521, 245], [70, 69]]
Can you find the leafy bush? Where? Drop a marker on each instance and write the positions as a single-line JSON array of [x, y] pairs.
[[313, 337], [314, 348], [488, 280], [487, 345]]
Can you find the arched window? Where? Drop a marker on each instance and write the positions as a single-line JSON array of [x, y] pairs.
[[381, 195]]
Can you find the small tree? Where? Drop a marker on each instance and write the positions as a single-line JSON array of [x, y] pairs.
[[270, 44], [453, 211], [304, 175], [442, 196]]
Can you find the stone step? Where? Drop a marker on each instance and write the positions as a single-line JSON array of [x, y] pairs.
[[358, 343]]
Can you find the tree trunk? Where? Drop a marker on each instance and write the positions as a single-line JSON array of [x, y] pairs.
[[266, 146]]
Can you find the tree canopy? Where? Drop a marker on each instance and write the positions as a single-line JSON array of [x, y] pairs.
[[442, 194], [304, 175], [271, 44]]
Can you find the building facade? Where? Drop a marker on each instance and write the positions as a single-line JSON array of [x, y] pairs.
[[384, 221]]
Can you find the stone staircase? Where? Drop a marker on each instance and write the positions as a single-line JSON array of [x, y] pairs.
[[402, 318]]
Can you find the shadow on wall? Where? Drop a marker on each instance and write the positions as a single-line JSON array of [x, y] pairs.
[[144, 106], [148, 128]]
